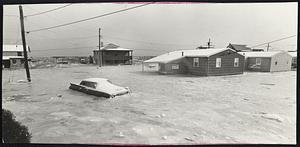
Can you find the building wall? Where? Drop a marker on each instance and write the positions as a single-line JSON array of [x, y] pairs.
[[227, 64], [10, 53], [283, 61], [294, 62], [17, 64], [264, 67], [113, 57], [201, 70], [167, 68]]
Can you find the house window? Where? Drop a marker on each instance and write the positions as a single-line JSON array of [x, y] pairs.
[[130, 53], [195, 62], [236, 62], [19, 53], [175, 66], [14, 61], [218, 62], [258, 61]]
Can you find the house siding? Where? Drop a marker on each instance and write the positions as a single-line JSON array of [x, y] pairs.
[[227, 64], [264, 67], [166, 68], [283, 62], [113, 57], [201, 70]]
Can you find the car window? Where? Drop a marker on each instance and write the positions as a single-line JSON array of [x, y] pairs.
[[88, 84]]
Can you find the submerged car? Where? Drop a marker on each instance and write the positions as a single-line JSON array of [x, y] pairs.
[[99, 87]]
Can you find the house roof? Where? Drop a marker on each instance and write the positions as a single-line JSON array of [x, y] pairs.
[[293, 54], [11, 57], [175, 55], [239, 47], [13, 48], [260, 54], [113, 47]]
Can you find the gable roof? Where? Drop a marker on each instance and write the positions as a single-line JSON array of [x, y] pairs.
[[239, 47], [13, 48], [260, 54], [113, 47], [175, 55]]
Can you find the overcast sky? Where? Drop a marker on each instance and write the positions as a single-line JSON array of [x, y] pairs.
[[153, 29]]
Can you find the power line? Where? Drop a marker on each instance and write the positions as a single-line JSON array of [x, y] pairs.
[[48, 10], [70, 23], [72, 48], [273, 41]]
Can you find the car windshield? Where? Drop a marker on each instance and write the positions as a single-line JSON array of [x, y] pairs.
[[89, 84]]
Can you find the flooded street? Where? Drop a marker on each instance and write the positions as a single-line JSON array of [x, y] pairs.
[[162, 109]]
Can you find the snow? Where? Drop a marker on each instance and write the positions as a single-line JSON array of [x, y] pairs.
[[260, 54], [213, 108], [175, 55]]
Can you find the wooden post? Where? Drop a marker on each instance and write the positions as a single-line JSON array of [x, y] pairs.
[[24, 43], [142, 65]]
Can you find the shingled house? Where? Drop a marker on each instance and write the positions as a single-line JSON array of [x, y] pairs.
[[112, 54], [206, 62]]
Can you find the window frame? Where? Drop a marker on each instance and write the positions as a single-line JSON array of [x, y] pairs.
[[256, 61], [236, 62], [218, 62], [196, 61], [175, 65]]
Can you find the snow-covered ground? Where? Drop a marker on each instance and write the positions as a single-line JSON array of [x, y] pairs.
[[162, 109]]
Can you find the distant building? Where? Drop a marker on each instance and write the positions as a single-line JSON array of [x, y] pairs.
[[239, 47], [13, 56], [206, 62], [267, 61], [112, 54], [71, 59], [257, 50], [294, 58]]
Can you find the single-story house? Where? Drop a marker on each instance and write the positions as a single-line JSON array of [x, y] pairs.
[[267, 61], [202, 62], [112, 54], [239, 47], [12, 56], [294, 58]]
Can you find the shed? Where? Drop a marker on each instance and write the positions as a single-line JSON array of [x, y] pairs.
[[267, 61], [206, 62]]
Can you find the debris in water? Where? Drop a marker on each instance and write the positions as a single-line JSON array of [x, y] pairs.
[[267, 84], [21, 81], [59, 95], [164, 137], [196, 134], [162, 115], [245, 99], [121, 134], [188, 138]]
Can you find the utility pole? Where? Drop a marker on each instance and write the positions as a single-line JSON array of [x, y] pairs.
[[208, 43], [24, 43], [99, 48], [268, 46]]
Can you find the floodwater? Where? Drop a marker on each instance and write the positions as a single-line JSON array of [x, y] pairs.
[[162, 109]]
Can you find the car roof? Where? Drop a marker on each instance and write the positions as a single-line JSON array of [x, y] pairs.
[[95, 80]]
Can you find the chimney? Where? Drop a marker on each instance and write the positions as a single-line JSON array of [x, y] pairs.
[[181, 53]]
